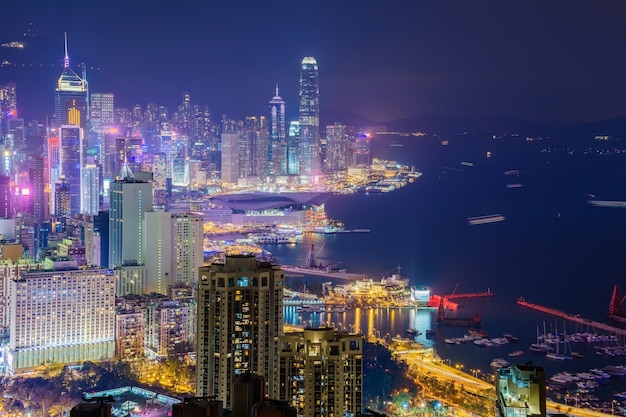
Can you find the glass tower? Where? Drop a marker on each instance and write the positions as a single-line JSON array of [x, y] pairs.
[[309, 117], [70, 98]]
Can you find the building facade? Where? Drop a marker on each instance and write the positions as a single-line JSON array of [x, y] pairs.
[[63, 315], [321, 372], [240, 314], [309, 117], [521, 391]]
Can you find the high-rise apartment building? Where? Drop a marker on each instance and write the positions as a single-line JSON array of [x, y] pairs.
[[102, 112], [6, 197], [321, 372], [73, 323], [309, 117], [37, 188], [240, 314], [521, 391]]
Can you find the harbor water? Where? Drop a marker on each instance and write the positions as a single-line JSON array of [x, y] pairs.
[[553, 248]]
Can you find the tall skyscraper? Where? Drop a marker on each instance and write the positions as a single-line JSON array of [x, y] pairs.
[[336, 147], [278, 136], [130, 199], [8, 108], [73, 323], [62, 199], [90, 187], [6, 198], [240, 313], [70, 98], [72, 153], [321, 372], [37, 188], [230, 157], [293, 148], [309, 117]]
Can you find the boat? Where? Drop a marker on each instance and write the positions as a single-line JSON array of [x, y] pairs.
[[511, 338], [430, 333], [621, 395], [516, 353], [411, 330], [577, 355], [490, 218], [499, 363]]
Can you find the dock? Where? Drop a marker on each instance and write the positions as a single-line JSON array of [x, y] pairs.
[[299, 271], [572, 317], [487, 293]]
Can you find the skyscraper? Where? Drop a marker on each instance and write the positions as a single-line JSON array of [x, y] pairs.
[[278, 137], [72, 153], [240, 313], [336, 147], [6, 197], [321, 372], [230, 157], [62, 199], [37, 188], [130, 198], [309, 117], [70, 98]]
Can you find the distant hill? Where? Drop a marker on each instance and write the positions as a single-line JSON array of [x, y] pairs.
[[330, 116], [440, 124]]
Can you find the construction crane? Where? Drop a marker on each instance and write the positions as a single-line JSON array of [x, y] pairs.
[[312, 257]]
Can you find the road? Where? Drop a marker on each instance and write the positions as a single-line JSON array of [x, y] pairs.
[[422, 362]]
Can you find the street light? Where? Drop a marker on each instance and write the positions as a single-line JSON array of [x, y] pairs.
[[613, 407]]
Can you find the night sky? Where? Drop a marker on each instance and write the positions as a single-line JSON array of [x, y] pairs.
[[556, 62]]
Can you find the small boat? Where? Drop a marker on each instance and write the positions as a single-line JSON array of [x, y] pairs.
[[577, 355], [516, 353], [499, 363], [511, 338], [411, 330], [430, 333]]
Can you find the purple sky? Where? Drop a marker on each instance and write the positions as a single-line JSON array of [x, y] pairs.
[[557, 61]]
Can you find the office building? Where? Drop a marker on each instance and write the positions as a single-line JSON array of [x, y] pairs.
[[6, 197], [521, 391], [70, 98], [240, 314], [321, 372], [309, 118], [73, 151], [293, 148], [278, 136], [73, 323], [37, 188], [90, 187], [230, 157], [336, 147], [130, 199], [62, 199]]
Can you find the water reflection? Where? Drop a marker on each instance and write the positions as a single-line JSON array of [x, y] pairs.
[[373, 322]]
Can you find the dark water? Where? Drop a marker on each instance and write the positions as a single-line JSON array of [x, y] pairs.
[[554, 248]]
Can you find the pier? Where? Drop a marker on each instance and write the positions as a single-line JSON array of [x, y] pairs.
[[487, 293], [575, 318], [299, 271]]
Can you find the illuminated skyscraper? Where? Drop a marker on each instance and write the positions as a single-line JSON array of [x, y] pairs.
[[293, 145], [278, 136], [37, 188], [336, 147], [230, 157], [70, 98], [6, 198], [240, 314], [130, 198], [62, 199], [72, 153], [321, 372], [90, 188], [309, 111], [8, 108]]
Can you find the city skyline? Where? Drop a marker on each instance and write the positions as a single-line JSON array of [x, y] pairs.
[[551, 63]]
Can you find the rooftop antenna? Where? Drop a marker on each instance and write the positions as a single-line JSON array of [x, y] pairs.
[[66, 61], [276, 89]]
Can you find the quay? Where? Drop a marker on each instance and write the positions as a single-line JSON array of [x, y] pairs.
[[572, 317], [299, 271], [487, 293]]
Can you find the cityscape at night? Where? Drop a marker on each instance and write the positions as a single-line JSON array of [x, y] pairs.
[[327, 209]]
